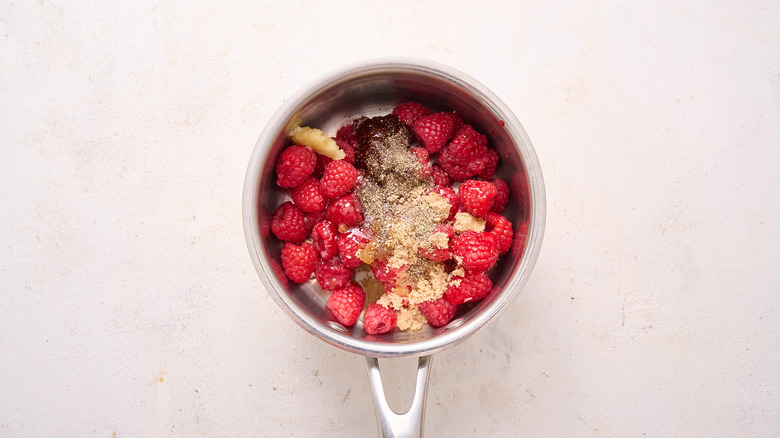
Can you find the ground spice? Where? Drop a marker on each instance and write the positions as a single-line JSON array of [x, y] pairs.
[[402, 211]]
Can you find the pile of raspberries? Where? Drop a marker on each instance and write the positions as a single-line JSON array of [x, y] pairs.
[[321, 224]]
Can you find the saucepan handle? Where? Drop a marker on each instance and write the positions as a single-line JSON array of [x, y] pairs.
[[391, 424]]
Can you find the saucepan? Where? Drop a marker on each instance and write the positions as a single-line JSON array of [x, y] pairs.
[[374, 87]]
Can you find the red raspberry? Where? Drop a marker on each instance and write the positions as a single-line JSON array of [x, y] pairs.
[[388, 275], [477, 197], [294, 165], [298, 261], [473, 286], [518, 244], [491, 163], [438, 312], [461, 209], [434, 130], [409, 112], [449, 194], [501, 229], [347, 133], [332, 274], [308, 197], [469, 148], [346, 211], [435, 253], [480, 161], [425, 161], [457, 122], [347, 303], [439, 177], [338, 179], [451, 165], [322, 161], [383, 272], [379, 319], [475, 251], [350, 243], [348, 148], [313, 219], [502, 195], [289, 224], [323, 237]]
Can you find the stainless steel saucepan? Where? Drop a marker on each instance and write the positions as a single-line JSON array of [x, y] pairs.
[[374, 87]]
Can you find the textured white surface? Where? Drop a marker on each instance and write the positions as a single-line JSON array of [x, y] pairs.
[[129, 306]]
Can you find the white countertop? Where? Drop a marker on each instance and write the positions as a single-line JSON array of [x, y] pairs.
[[129, 306]]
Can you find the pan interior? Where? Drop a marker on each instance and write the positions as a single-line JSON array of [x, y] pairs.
[[328, 107]]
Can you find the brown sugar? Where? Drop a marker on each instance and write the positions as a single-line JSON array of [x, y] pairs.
[[402, 211], [439, 240], [466, 222], [410, 318], [432, 286]]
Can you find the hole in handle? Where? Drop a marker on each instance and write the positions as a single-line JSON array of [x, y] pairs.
[[390, 423]]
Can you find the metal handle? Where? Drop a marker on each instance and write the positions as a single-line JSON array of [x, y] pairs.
[[390, 423]]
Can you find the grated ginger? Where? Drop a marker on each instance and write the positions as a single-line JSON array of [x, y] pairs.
[[318, 141]]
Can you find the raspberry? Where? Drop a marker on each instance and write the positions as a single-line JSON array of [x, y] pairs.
[[473, 286], [452, 167], [457, 122], [298, 261], [449, 194], [409, 112], [383, 272], [345, 212], [438, 312], [348, 148], [338, 178], [479, 162], [491, 163], [323, 237], [501, 230], [379, 319], [289, 224], [347, 303], [294, 165], [350, 243], [468, 143], [347, 133], [439, 177], [313, 219], [461, 210], [322, 161], [436, 253], [387, 275], [308, 197], [477, 197], [332, 274], [475, 251], [434, 130], [425, 162], [502, 195], [469, 148]]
